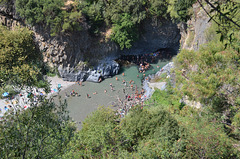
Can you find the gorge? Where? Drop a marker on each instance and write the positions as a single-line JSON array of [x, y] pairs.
[[161, 79]]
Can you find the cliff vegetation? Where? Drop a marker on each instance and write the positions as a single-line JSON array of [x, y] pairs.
[[123, 17]]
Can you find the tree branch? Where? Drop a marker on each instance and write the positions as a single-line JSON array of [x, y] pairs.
[[26, 141], [229, 19], [211, 17]]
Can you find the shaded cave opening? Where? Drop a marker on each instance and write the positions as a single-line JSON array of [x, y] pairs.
[[163, 54]]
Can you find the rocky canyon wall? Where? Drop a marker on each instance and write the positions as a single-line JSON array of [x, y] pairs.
[[80, 56], [193, 33]]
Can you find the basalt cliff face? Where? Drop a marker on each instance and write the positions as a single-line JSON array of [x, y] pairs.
[[193, 33], [80, 56]]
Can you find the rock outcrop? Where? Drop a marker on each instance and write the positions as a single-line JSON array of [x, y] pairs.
[[193, 32], [157, 34], [103, 70], [149, 87]]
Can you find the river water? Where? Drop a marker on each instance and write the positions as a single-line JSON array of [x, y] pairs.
[[80, 106]]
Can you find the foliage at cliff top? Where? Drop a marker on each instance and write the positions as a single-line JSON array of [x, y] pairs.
[[226, 15], [19, 59], [51, 13], [126, 16], [123, 16]]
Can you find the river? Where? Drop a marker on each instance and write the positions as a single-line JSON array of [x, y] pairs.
[[80, 106]]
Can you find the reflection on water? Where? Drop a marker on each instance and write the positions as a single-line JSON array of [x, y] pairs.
[[80, 107]]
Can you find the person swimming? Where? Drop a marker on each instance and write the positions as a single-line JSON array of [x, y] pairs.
[[132, 87]]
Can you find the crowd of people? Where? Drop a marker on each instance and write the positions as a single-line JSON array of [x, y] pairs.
[[144, 60], [22, 100], [133, 95]]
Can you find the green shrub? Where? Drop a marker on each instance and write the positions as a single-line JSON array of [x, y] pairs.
[[42, 84], [180, 10], [124, 32], [206, 75], [19, 62]]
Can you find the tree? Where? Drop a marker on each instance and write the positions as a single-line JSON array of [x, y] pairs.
[[207, 140], [40, 131], [225, 13], [19, 59], [209, 75], [103, 136], [97, 136], [158, 8], [180, 10], [124, 32]]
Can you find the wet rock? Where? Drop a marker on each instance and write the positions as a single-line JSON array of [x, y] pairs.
[[149, 87], [94, 76], [159, 85], [166, 69], [104, 70], [108, 68]]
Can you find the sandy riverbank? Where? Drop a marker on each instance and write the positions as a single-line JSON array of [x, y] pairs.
[[80, 107], [54, 83]]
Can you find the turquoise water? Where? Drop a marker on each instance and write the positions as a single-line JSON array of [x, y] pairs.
[[80, 107]]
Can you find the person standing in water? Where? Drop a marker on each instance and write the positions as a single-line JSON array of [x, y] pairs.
[[80, 82]]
